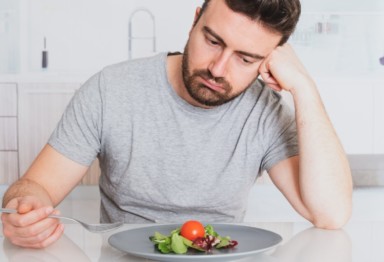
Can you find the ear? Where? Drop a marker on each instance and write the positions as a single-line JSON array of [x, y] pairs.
[[197, 13]]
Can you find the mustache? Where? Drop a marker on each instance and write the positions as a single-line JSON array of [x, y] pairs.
[[206, 74]]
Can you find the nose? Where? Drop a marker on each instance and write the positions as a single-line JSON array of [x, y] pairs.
[[219, 64]]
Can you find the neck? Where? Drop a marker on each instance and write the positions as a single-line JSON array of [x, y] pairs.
[[175, 78]]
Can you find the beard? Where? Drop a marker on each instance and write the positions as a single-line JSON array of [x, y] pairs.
[[200, 92]]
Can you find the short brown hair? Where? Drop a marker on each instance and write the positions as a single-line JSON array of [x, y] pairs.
[[277, 15]]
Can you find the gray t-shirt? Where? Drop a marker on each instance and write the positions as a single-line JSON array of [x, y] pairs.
[[163, 159]]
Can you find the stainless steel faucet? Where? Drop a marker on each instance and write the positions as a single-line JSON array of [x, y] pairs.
[[131, 38]]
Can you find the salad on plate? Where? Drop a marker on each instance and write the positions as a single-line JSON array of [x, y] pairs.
[[192, 235]]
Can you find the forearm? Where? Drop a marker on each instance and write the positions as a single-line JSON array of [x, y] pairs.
[[325, 178], [322, 187], [26, 187], [50, 178]]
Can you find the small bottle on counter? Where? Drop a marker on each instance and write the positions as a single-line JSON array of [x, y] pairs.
[[44, 60]]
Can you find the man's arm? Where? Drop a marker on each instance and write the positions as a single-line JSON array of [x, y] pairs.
[[318, 183], [46, 183]]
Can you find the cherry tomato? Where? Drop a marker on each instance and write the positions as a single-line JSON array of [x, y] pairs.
[[192, 230]]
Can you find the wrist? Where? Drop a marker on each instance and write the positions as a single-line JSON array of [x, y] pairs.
[[303, 87]]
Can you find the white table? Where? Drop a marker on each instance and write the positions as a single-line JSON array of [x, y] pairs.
[[357, 242]]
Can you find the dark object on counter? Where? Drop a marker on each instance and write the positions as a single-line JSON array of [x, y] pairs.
[[382, 60], [44, 61]]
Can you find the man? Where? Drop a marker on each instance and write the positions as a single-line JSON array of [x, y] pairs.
[[185, 136]]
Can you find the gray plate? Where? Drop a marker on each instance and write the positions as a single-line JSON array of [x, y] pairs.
[[251, 241]]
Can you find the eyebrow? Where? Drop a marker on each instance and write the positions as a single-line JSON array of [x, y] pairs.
[[208, 30]]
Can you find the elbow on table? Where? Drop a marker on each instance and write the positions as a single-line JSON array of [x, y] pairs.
[[333, 221]]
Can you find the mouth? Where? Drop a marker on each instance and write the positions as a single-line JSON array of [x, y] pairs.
[[211, 84]]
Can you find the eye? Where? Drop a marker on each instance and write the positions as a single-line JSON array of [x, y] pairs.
[[211, 41], [246, 60]]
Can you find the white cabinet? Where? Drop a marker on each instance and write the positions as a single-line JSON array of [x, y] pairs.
[[8, 133], [378, 131], [29, 112], [8, 167], [8, 99], [350, 106], [41, 106]]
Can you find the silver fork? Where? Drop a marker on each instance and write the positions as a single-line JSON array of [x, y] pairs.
[[94, 228]]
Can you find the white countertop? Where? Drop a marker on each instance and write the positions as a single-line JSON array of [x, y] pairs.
[[358, 241]]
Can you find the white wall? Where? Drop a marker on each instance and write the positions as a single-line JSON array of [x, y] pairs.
[[341, 42], [342, 5], [85, 35], [9, 37]]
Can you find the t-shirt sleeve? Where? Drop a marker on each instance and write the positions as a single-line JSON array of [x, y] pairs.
[[281, 134], [78, 133]]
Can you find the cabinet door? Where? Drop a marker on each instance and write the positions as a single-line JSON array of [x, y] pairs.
[[8, 167], [8, 99], [351, 110], [378, 132], [40, 109], [8, 133]]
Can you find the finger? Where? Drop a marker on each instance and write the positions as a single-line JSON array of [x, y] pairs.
[[263, 70], [274, 85], [13, 225], [266, 74], [24, 207], [23, 220], [271, 82], [37, 228], [27, 236], [42, 240], [26, 204], [276, 88], [12, 204], [53, 237], [32, 236]]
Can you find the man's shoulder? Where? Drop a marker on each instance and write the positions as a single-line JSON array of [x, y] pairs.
[[130, 79], [134, 66]]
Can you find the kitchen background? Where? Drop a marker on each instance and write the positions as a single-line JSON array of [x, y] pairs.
[[341, 38], [340, 42]]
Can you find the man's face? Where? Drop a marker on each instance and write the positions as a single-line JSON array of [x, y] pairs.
[[223, 54]]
